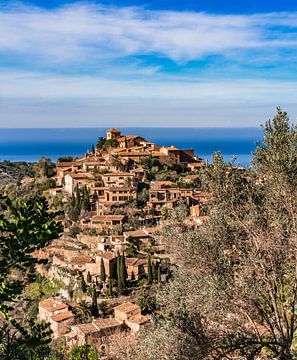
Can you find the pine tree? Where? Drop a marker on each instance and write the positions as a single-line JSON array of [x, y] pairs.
[[102, 271], [89, 278], [83, 285], [94, 302], [149, 270]]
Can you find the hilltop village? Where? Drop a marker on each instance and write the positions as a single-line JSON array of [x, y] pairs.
[[110, 258]]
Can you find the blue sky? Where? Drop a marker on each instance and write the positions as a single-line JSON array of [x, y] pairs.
[[146, 63]]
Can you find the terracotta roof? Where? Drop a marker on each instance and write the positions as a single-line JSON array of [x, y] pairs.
[[88, 328], [80, 260], [191, 177], [108, 255], [135, 153], [127, 307], [113, 130], [62, 316], [137, 233], [121, 188], [118, 174], [135, 262], [52, 304], [80, 175], [106, 323], [161, 184], [67, 164], [152, 229], [139, 319], [129, 137]]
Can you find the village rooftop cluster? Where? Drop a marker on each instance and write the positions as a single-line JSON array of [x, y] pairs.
[[120, 196]]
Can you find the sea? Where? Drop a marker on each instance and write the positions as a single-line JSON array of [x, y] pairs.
[[30, 144]]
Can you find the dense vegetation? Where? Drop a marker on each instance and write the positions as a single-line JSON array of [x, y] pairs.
[[233, 287], [234, 290]]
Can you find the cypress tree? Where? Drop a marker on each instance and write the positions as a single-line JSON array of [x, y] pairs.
[[119, 267], [159, 274], [123, 271], [89, 279], [93, 149], [154, 271], [94, 302], [149, 270], [102, 271], [119, 273], [83, 285], [109, 287], [85, 201]]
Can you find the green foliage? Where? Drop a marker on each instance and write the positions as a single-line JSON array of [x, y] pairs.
[[83, 311], [110, 287], [159, 274], [110, 143], [131, 250], [84, 352], [149, 270], [94, 302], [24, 229], [102, 271], [83, 285], [105, 310], [28, 342], [44, 167], [43, 288], [100, 143], [121, 273], [89, 278], [149, 163], [233, 291], [74, 231], [79, 202], [147, 302]]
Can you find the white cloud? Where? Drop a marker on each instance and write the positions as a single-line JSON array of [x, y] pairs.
[[22, 85], [85, 32], [42, 100]]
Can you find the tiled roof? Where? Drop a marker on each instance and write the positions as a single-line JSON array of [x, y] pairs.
[[52, 304], [137, 233], [106, 323], [127, 307], [135, 262], [118, 174], [108, 255], [129, 137], [80, 260], [139, 319], [88, 328], [62, 316]]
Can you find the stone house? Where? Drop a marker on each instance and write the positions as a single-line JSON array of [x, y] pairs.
[[57, 314], [125, 311]]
